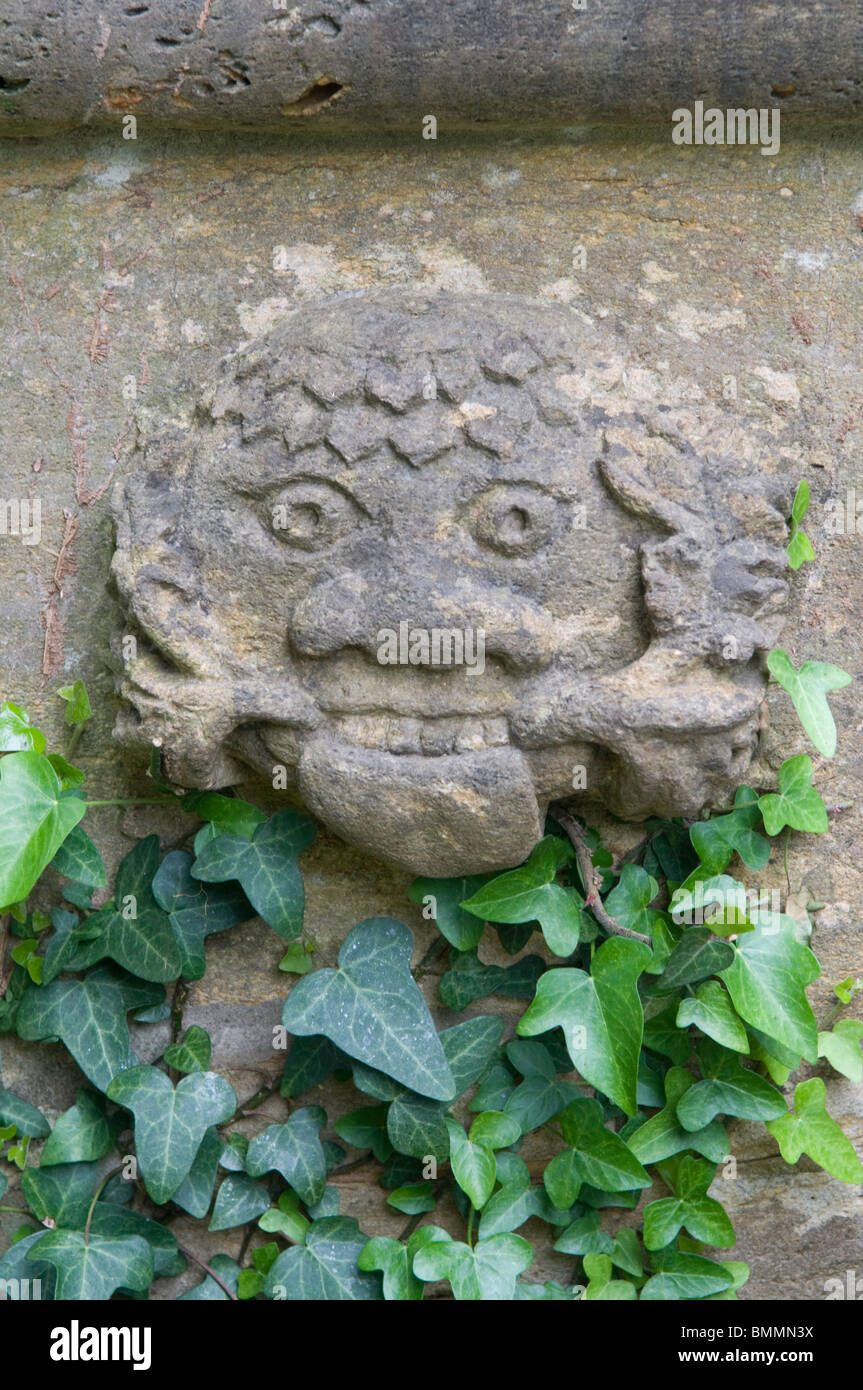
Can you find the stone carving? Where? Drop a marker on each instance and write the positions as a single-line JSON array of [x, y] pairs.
[[414, 550]]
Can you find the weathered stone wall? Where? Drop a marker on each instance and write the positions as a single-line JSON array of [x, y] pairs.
[[145, 260]]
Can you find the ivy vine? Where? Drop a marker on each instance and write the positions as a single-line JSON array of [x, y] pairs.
[[668, 997]]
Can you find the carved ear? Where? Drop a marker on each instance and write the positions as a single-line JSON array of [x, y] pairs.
[[663, 485]]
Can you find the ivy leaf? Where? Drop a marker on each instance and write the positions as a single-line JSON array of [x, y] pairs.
[[17, 734], [512, 1205], [310, 1061], [227, 815], [489, 1271], [717, 840], [628, 900], [696, 956], [286, 1219], [366, 1128], [192, 1053], [24, 1116], [266, 868], [238, 1201], [170, 1123], [602, 1288], [808, 1129], [711, 1010], [662, 1034], [79, 859], [531, 894], [372, 1009], [208, 1291], [413, 1198], [729, 1088], [326, 1268], [797, 803], [196, 1190], [110, 1219], [35, 818], [461, 928], [395, 1261], [767, 983], [93, 1272], [799, 545], [662, 1136], [601, 1017], [469, 979], [703, 1217], [537, 1099], [89, 1016], [297, 960], [81, 1134], [585, 1237], [473, 1166], [195, 910], [842, 1048], [135, 932], [78, 709], [808, 689], [596, 1156], [294, 1150], [682, 1276]]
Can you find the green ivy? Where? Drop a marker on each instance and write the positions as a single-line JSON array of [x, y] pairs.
[[664, 1002]]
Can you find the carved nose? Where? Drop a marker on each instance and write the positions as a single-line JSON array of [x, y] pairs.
[[352, 611]]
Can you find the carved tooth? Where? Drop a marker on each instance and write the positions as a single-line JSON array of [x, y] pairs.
[[471, 737], [404, 736]]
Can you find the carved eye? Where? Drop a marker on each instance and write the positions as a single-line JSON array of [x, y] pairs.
[[312, 514], [514, 520]]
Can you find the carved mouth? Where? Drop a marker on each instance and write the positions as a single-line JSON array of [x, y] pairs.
[[432, 737]]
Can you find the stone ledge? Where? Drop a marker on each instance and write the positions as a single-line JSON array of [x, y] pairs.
[[276, 65]]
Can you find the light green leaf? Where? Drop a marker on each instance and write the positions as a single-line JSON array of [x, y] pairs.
[[192, 1053], [797, 803], [711, 1010], [228, 815], [473, 1165], [494, 1130], [286, 1219], [487, 1272], [413, 1198], [662, 1135], [682, 1276], [531, 894], [717, 840], [808, 689], [17, 734], [372, 1009], [703, 1217], [601, 1017], [78, 709], [170, 1122], [808, 1129], [602, 1158], [696, 956], [628, 900], [396, 1262], [729, 1088], [35, 818], [601, 1287], [842, 1048], [767, 984]]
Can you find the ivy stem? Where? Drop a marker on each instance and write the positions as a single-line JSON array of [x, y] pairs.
[[113, 1173], [136, 801], [74, 740], [590, 880], [19, 1211], [190, 1255], [470, 1226], [6, 965], [785, 858]]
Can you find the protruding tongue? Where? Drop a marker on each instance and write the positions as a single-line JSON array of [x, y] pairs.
[[465, 813]]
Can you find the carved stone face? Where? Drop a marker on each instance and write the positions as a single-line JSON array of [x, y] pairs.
[[403, 553]]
